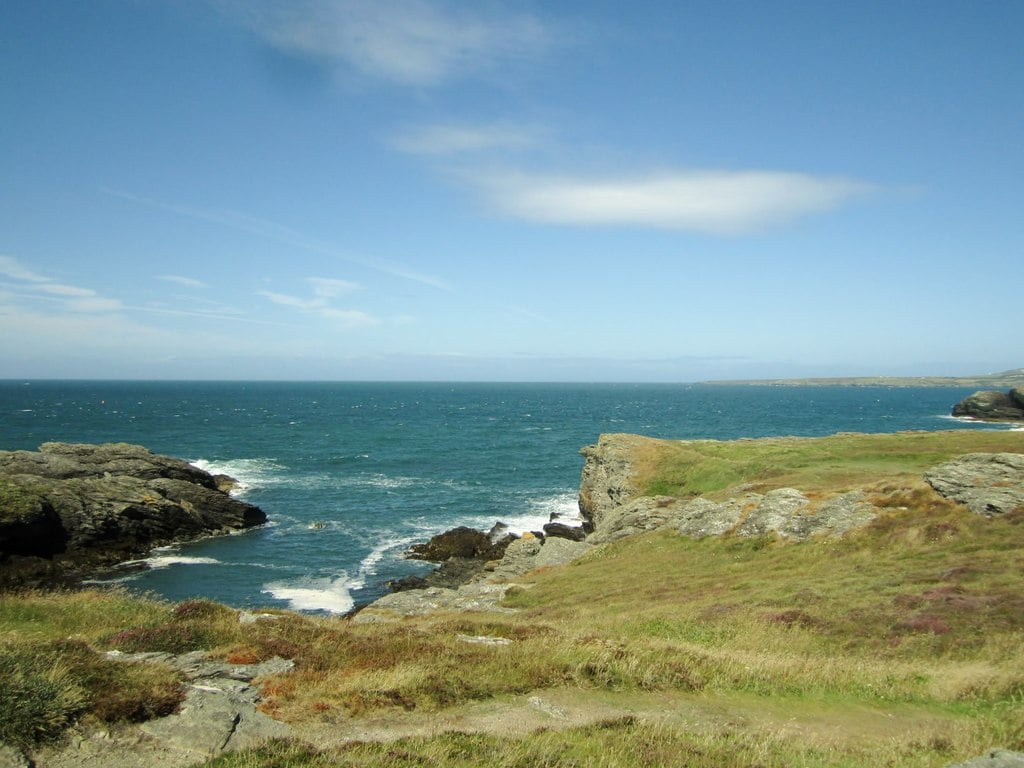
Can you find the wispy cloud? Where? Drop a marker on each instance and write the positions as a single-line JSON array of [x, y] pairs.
[[714, 202], [188, 282], [279, 233], [33, 285], [410, 42], [329, 287], [12, 268], [324, 290], [455, 139]]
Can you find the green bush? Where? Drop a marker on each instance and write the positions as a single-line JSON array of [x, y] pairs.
[[39, 697]]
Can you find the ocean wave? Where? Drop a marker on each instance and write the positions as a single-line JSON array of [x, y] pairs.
[[379, 480], [249, 473], [563, 507], [308, 594], [368, 565], [980, 423], [165, 561]]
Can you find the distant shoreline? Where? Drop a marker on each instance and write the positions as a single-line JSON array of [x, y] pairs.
[[1005, 379]]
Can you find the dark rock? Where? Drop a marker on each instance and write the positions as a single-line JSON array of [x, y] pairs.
[[461, 542], [1017, 396], [451, 574], [992, 406], [68, 509], [563, 531]]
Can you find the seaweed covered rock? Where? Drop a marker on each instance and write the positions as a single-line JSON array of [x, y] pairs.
[[66, 509]]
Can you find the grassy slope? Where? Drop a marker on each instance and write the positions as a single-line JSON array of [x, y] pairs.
[[826, 464], [901, 644], [1006, 379]]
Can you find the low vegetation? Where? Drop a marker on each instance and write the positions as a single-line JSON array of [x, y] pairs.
[[900, 644], [825, 464]]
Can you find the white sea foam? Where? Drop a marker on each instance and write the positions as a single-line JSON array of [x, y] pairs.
[[990, 425], [368, 565], [379, 480], [165, 561], [250, 473], [563, 506], [330, 595]]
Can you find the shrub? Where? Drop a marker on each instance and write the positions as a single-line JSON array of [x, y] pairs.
[[39, 697]]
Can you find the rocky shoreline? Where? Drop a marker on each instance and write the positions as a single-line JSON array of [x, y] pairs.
[[476, 569], [68, 510], [991, 405]]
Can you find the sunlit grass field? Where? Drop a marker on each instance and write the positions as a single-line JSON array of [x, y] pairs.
[[899, 644]]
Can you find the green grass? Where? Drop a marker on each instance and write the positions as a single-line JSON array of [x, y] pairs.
[[899, 644], [839, 462], [19, 500]]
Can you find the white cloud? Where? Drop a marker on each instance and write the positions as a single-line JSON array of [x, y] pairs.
[[291, 301], [324, 290], [64, 290], [34, 286], [95, 304], [279, 233], [329, 287], [715, 202], [460, 139], [412, 42], [349, 317], [12, 268], [189, 282]]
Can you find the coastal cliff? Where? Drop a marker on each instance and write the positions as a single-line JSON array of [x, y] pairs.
[[686, 640], [67, 509], [809, 487]]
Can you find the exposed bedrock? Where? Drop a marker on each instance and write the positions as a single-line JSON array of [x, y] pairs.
[[66, 509], [990, 484]]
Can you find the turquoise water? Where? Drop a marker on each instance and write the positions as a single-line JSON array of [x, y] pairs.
[[378, 466]]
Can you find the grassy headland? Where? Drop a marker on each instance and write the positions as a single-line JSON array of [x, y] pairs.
[[899, 644], [1003, 380]]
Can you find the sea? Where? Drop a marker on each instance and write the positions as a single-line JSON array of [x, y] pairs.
[[351, 474]]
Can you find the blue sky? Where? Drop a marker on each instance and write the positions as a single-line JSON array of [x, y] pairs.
[[589, 191]]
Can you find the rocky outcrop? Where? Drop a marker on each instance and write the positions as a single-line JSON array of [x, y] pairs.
[[219, 714], [989, 405], [996, 758], [990, 484], [67, 509], [464, 542], [483, 591], [611, 502], [607, 480], [783, 511]]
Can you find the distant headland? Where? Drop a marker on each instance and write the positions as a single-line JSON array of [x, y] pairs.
[[1012, 378]]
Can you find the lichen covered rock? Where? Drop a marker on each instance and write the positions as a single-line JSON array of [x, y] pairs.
[[990, 484]]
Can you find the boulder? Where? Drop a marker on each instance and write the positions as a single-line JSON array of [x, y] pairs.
[[462, 542], [996, 758], [559, 551], [992, 406], [563, 531], [990, 484], [69, 509]]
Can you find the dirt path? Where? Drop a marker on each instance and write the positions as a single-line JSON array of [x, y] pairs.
[[813, 722]]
